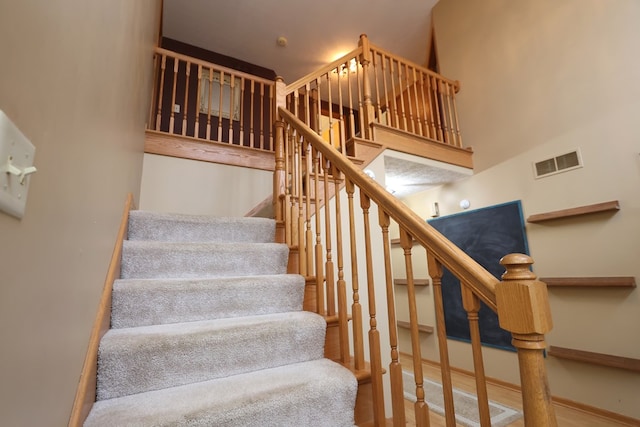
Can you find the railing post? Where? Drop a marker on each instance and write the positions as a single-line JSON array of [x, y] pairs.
[[523, 310], [365, 60]]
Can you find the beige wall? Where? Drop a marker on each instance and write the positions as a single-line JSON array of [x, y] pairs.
[[75, 78], [171, 184], [541, 78]]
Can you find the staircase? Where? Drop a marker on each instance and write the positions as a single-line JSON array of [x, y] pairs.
[[208, 330]]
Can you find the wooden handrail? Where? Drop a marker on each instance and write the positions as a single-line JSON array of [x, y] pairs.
[[196, 61], [454, 83], [459, 263], [323, 70]]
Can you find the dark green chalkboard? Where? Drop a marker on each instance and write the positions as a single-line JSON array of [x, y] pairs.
[[486, 235]]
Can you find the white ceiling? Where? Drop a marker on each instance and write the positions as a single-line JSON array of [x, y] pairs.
[[317, 31]]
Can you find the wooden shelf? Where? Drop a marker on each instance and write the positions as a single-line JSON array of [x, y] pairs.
[[416, 282], [422, 328], [600, 359], [396, 242], [613, 205], [590, 282]]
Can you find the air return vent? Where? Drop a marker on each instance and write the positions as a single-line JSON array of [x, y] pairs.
[[554, 165]]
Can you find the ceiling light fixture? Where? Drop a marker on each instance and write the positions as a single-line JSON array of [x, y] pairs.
[[282, 41]]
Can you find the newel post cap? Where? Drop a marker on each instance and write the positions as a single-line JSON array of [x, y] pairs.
[[522, 300]]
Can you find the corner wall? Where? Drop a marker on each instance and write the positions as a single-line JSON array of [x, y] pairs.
[[540, 79], [76, 79]]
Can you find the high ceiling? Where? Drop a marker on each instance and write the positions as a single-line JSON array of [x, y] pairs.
[[317, 32]]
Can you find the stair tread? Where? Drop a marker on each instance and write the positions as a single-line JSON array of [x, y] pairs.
[[135, 360], [271, 397], [140, 302], [154, 259], [158, 226]]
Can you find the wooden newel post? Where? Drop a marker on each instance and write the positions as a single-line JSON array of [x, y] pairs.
[[279, 175], [523, 310]]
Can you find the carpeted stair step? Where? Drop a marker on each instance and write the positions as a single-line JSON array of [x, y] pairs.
[[136, 360], [317, 393], [166, 260], [140, 302], [145, 225]]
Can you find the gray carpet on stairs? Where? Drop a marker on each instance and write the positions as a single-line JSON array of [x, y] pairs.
[[208, 330]]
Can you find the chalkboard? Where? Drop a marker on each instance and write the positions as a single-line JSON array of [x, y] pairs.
[[486, 235]]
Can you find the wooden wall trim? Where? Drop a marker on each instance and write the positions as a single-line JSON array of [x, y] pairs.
[[599, 359], [186, 147], [86, 391]]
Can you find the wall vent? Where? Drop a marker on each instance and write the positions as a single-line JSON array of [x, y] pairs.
[[554, 165]]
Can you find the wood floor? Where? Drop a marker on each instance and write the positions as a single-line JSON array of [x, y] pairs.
[[566, 416]]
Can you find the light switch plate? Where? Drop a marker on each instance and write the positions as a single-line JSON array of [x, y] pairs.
[[18, 151]]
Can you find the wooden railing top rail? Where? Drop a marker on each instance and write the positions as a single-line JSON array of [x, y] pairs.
[[217, 67], [454, 83], [322, 71], [459, 263]]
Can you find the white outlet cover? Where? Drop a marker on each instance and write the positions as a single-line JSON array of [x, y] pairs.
[[15, 146]]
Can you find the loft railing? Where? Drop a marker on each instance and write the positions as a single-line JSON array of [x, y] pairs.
[[198, 99], [331, 242], [370, 85]]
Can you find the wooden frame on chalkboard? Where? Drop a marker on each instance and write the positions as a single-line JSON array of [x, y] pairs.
[[486, 235]]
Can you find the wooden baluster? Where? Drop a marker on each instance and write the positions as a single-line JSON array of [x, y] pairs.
[[432, 109], [374, 335], [279, 182], [366, 86], [299, 141], [271, 90], [154, 96], [318, 249], [295, 198], [421, 407], [391, 111], [438, 107], [261, 115], [443, 112], [447, 94], [172, 119], [343, 321], [241, 131], [342, 142], [185, 108], [395, 369], [308, 194], [455, 115], [251, 124], [196, 129], [426, 131], [400, 98], [209, 102], [360, 102], [318, 105], [407, 90], [220, 97], [331, 137], [231, 107], [356, 308], [163, 66], [396, 107], [330, 281], [288, 187], [352, 121], [377, 86], [307, 105], [416, 103], [523, 309], [471, 304], [435, 271]]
